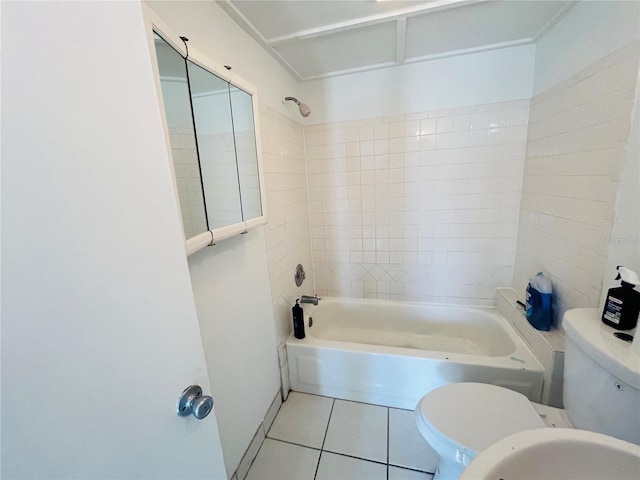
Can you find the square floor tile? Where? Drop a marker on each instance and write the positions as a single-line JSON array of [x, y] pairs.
[[407, 447], [359, 430], [283, 461], [302, 419], [396, 473], [334, 467]]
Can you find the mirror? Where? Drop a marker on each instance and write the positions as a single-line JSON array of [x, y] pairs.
[[177, 105], [212, 125], [246, 152], [216, 146]]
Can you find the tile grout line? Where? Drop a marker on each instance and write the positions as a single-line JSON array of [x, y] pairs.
[[324, 439], [294, 443], [351, 456], [411, 469], [345, 400], [249, 447], [368, 460], [364, 459], [388, 422], [321, 448]]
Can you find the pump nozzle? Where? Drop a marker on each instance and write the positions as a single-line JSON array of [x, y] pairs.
[[628, 277]]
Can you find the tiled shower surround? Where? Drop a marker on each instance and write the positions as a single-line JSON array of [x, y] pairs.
[[417, 207], [287, 232], [442, 206], [577, 138]]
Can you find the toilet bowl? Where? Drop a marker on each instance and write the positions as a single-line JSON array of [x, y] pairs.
[[462, 419], [601, 394]]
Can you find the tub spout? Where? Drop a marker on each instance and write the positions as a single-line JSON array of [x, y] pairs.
[[308, 299]]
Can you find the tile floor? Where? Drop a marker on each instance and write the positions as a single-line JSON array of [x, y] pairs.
[[323, 438]]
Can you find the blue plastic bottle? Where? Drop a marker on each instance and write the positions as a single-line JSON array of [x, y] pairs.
[[539, 302]]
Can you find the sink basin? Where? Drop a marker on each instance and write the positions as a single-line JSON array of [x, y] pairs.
[[556, 453]]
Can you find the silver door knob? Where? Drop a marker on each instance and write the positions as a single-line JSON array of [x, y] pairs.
[[191, 401]]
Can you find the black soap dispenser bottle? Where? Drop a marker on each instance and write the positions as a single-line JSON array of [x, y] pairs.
[[298, 320], [623, 303]]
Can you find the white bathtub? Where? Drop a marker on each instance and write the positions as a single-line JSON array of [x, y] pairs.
[[391, 354]]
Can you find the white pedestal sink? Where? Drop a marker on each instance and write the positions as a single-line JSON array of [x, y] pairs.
[[558, 454]]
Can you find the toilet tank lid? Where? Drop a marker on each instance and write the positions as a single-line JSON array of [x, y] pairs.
[[584, 327]]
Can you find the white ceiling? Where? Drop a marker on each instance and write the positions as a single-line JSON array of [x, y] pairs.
[[315, 39]]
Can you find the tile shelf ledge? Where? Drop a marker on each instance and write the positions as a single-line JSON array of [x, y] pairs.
[[547, 347]]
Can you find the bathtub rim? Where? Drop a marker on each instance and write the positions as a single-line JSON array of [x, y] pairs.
[[521, 358]]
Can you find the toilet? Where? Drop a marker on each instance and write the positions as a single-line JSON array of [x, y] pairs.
[[601, 394]]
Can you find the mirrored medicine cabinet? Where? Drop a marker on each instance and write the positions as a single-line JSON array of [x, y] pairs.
[[212, 125]]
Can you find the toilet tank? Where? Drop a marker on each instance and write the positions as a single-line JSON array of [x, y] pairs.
[[601, 377]]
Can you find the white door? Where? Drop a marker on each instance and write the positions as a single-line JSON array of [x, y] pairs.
[[99, 329]]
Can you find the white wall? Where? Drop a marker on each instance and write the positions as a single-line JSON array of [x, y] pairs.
[[589, 31], [478, 78], [624, 242], [231, 280], [97, 309], [231, 288], [585, 77]]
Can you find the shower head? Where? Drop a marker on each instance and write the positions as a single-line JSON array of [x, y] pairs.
[[305, 111], [303, 107]]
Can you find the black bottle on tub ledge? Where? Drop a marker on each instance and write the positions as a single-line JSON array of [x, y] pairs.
[[622, 306], [298, 320]]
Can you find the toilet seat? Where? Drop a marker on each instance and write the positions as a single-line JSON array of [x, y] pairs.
[[470, 417]]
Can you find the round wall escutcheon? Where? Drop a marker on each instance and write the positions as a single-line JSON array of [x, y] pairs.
[[299, 275]]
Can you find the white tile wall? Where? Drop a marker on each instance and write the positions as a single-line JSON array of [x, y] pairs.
[[577, 137], [220, 178], [185, 162], [419, 206], [287, 233], [218, 154], [248, 173]]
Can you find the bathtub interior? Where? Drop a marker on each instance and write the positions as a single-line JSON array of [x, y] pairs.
[[351, 352], [474, 331]]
